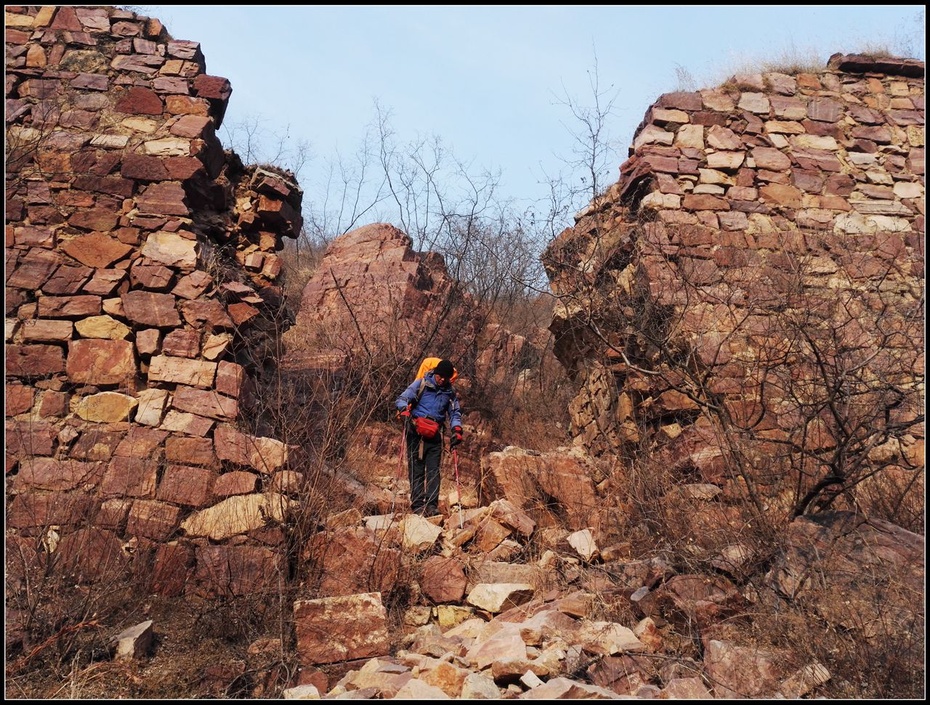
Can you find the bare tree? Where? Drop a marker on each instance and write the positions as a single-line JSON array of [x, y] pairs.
[[255, 143], [806, 369], [593, 150]]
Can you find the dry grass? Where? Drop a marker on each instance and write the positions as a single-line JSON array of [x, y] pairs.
[[793, 60], [201, 651]]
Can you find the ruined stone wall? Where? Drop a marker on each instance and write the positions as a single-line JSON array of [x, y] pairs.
[[741, 210], [142, 300]]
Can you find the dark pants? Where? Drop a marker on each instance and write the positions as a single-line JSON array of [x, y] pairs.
[[423, 472]]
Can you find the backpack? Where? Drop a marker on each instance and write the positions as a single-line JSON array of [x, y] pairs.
[[426, 427], [428, 365]]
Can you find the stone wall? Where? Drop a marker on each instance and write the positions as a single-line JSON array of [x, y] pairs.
[[143, 298], [144, 302], [743, 211]]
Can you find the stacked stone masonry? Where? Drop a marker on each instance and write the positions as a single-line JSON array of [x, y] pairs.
[[143, 296], [728, 189], [143, 293]]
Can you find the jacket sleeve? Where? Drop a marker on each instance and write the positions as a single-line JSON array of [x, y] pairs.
[[455, 412], [408, 397]]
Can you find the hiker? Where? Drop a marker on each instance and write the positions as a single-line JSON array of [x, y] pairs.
[[425, 406]]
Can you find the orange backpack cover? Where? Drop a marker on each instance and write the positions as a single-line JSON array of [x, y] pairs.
[[429, 363]]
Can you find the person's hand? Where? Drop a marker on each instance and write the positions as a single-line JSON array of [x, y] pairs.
[[405, 413], [456, 437]]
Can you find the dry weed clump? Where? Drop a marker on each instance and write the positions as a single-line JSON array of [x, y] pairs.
[[59, 618], [886, 666], [531, 411], [77, 661], [880, 655], [896, 495]]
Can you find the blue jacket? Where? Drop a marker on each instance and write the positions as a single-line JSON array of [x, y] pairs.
[[436, 402]]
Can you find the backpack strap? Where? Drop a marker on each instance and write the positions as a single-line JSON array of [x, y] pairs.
[[420, 391]]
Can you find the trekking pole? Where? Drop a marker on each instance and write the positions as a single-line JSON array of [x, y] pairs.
[[458, 489], [400, 470]]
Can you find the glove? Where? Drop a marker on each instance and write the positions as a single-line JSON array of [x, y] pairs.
[[456, 437], [405, 414]]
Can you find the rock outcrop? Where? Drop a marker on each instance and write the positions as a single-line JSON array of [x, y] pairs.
[[374, 298]]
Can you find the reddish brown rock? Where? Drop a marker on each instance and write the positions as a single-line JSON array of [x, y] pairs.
[[164, 198], [141, 442], [172, 566], [230, 378], [370, 286], [34, 360], [193, 126], [130, 477], [212, 87], [184, 168], [33, 273], [181, 343], [237, 482], [443, 579], [341, 628], [143, 167], [66, 18], [210, 315], [19, 398], [96, 444], [68, 510], [72, 280], [205, 403], [101, 362], [94, 219], [92, 555], [186, 485], [152, 278], [147, 341], [235, 570], [27, 437], [79, 306], [151, 309], [191, 451], [140, 101], [96, 250], [192, 285], [152, 520], [52, 474], [353, 560], [31, 236]]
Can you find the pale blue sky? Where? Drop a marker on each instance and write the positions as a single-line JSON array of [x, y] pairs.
[[488, 79]]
